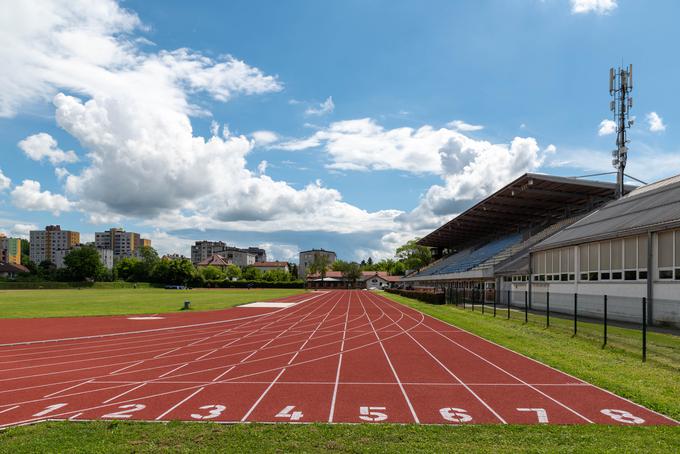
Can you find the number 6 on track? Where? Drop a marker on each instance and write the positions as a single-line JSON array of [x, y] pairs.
[[372, 414], [455, 414]]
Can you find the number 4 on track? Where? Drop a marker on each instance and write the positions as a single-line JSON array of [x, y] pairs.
[[289, 413]]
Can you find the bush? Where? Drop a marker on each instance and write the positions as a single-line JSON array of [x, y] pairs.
[[425, 297], [34, 284]]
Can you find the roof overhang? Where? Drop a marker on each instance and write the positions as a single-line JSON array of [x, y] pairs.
[[530, 200]]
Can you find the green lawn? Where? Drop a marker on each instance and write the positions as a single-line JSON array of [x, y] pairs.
[[126, 437], [617, 368], [74, 302]]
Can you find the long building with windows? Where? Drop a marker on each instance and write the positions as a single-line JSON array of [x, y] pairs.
[[628, 249], [122, 243], [45, 243]]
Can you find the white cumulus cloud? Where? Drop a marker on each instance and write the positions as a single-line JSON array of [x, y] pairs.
[[607, 127], [655, 122], [460, 125], [593, 6], [43, 146], [4, 181], [28, 196], [264, 138]]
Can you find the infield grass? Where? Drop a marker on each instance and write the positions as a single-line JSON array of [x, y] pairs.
[[92, 301]]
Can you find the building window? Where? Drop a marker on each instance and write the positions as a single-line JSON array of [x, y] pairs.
[[666, 251]]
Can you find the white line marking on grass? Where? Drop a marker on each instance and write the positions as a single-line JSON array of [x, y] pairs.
[[179, 403]]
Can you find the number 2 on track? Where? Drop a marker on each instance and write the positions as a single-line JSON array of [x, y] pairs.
[[125, 411]]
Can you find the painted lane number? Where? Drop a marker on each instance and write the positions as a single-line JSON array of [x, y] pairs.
[[213, 411], [125, 411], [541, 414], [455, 414], [373, 414], [288, 412], [622, 416], [50, 409]]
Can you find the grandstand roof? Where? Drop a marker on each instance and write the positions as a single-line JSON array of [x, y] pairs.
[[652, 207], [531, 200]]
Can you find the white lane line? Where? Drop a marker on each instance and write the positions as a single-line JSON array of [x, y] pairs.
[[331, 413], [75, 416], [259, 399], [126, 367], [168, 352], [123, 393], [179, 403], [66, 389], [513, 376], [173, 370], [488, 407], [207, 354], [262, 396], [394, 372], [9, 409]]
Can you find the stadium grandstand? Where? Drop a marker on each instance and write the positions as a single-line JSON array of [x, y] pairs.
[[487, 247]]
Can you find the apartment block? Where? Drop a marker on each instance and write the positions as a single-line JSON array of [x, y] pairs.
[[10, 250], [202, 250], [122, 243], [105, 256], [45, 243], [308, 257]]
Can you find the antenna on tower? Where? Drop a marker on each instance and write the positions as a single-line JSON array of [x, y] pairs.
[[620, 86]]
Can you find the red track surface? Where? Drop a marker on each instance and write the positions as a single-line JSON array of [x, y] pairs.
[[341, 356]]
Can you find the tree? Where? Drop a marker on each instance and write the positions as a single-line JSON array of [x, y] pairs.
[[47, 270], [149, 258], [84, 264], [276, 276], [369, 262], [130, 269], [252, 274], [413, 255], [319, 265], [338, 265], [293, 270], [351, 273], [173, 271], [212, 273], [233, 271]]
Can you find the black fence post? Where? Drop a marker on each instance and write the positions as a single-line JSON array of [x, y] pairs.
[[575, 313], [644, 329], [463, 298], [496, 295], [605, 321], [547, 309], [473, 299], [482, 294], [509, 296], [526, 306]]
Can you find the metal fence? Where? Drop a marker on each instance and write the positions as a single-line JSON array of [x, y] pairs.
[[609, 320]]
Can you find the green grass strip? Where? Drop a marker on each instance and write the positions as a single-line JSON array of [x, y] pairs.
[[125, 301]]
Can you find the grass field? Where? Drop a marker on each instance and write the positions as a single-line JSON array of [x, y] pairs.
[[74, 302], [125, 437]]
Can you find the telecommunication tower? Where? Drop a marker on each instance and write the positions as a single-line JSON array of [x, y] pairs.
[[620, 87]]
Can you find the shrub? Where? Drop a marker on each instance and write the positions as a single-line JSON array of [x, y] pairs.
[[425, 297]]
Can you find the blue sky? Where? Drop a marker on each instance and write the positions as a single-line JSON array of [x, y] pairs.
[[348, 125]]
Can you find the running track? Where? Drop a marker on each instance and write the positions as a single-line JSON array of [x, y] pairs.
[[339, 356]]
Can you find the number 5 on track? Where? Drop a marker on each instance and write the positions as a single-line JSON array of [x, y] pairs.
[[373, 414]]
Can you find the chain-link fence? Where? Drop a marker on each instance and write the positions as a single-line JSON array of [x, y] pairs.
[[608, 320]]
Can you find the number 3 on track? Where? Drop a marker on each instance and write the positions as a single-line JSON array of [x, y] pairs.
[[372, 414], [213, 411]]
